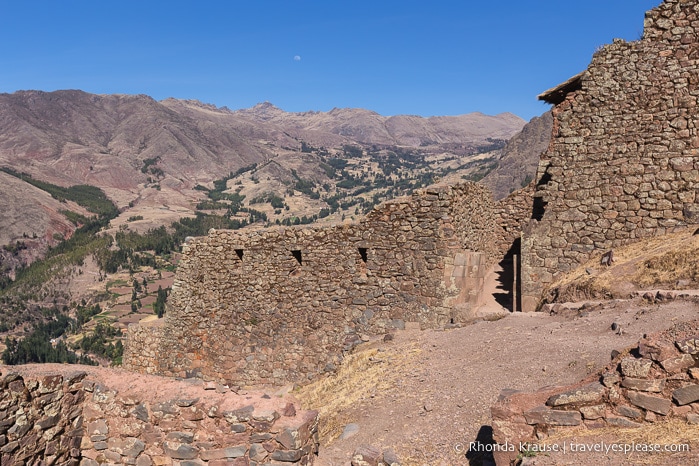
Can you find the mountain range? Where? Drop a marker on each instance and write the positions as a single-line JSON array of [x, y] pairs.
[[156, 159]]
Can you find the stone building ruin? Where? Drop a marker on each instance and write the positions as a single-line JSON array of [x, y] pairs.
[[283, 304], [623, 159]]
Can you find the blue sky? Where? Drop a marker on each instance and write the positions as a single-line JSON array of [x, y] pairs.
[[437, 57]]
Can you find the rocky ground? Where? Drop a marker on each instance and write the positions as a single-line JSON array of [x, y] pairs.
[[439, 403]]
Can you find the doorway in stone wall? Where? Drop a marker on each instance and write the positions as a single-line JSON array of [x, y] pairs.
[[508, 285]]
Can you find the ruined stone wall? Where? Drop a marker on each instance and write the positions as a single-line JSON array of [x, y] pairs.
[[143, 348], [64, 417], [659, 383], [282, 304], [512, 215], [622, 164]]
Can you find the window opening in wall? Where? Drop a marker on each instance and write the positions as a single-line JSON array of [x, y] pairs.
[[545, 178], [539, 208], [239, 253], [362, 253], [297, 255]]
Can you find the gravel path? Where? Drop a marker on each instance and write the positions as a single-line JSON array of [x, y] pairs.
[[441, 403]]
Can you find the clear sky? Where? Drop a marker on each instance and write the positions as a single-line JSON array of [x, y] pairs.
[[428, 57]]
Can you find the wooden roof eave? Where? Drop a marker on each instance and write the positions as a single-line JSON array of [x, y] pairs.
[[557, 94]]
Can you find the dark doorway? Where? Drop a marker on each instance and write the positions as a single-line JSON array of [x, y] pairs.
[[508, 278]]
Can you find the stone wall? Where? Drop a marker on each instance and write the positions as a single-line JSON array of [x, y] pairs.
[[69, 418], [283, 304], [623, 161], [657, 380], [143, 348]]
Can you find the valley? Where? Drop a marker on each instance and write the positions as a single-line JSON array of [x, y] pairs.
[[174, 169]]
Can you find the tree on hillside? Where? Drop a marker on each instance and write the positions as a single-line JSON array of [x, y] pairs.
[[159, 304]]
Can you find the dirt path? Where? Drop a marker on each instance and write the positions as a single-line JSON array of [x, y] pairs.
[[441, 402]]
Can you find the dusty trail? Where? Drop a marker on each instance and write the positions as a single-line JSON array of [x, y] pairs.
[[441, 402]]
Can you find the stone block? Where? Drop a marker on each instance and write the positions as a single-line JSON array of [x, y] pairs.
[[186, 402], [609, 379], [180, 451], [221, 453], [644, 385], [144, 460], [546, 416], [286, 456], [238, 428], [593, 412], [265, 415], [585, 395], [651, 403], [686, 395], [257, 452], [654, 348], [260, 437], [615, 421], [635, 368], [180, 437], [679, 364], [239, 415], [689, 345], [628, 411], [289, 438], [366, 455]]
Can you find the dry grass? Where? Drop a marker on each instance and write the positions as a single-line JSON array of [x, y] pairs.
[[362, 374], [671, 266], [672, 431], [651, 262]]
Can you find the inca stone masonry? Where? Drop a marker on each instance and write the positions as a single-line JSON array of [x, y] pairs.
[[622, 163], [284, 304]]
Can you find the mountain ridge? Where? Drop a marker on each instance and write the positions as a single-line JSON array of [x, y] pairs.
[[149, 155]]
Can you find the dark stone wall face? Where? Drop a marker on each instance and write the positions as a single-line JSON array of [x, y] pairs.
[[623, 162]]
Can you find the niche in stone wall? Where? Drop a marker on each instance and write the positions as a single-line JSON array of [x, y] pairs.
[[363, 254], [296, 271], [538, 208], [361, 263], [239, 253]]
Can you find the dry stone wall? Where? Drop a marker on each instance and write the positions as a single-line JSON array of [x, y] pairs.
[[657, 380], [70, 418], [283, 304], [623, 162]]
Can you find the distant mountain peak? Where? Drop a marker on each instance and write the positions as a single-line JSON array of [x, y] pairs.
[[266, 105]]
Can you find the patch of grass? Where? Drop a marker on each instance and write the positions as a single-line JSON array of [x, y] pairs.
[[659, 261], [116, 283], [671, 431], [668, 267], [361, 374]]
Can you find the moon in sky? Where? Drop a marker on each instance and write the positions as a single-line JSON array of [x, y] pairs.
[[297, 57]]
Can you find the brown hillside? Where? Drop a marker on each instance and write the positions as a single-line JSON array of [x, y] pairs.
[[148, 155], [520, 157]]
